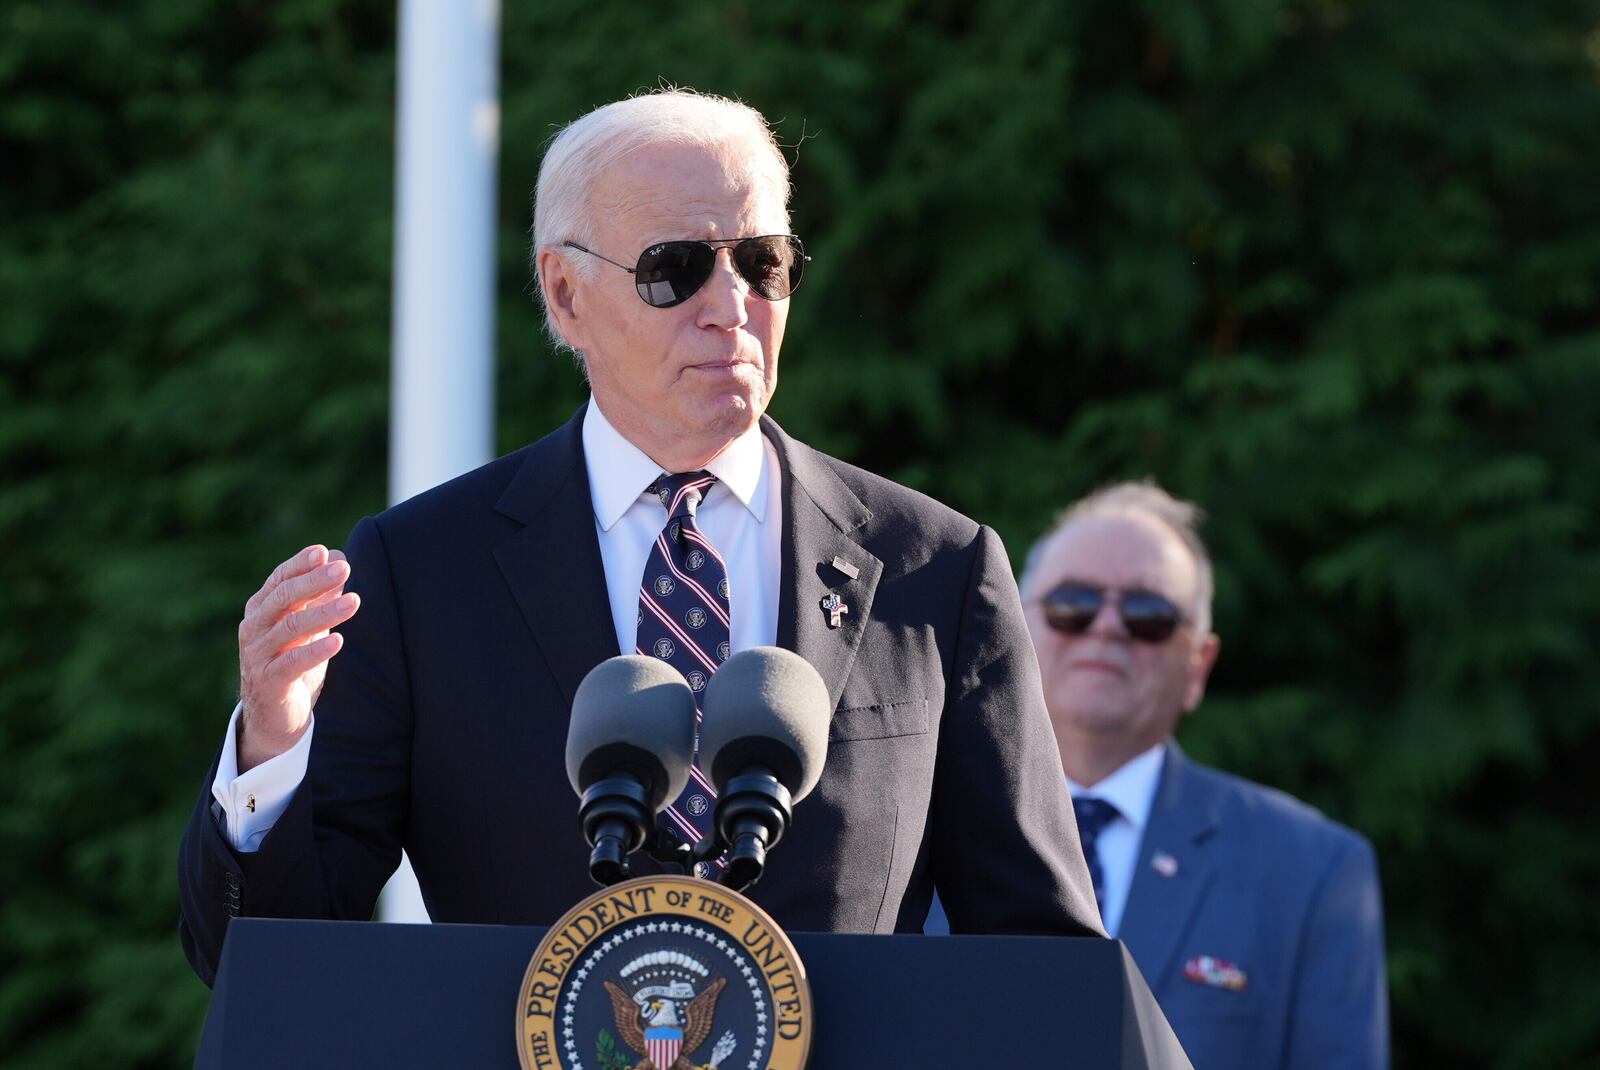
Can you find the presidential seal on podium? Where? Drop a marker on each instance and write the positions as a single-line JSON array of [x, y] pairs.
[[664, 973]]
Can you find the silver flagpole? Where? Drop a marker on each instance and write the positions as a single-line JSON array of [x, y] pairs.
[[442, 401]]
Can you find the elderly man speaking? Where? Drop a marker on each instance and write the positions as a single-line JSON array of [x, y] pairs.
[[468, 615]]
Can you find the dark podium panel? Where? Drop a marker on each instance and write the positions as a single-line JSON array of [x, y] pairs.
[[342, 994]]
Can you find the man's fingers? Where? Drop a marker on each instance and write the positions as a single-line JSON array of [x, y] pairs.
[[297, 661], [293, 594], [296, 628], [300, 563], [335, 591], [325, 597]]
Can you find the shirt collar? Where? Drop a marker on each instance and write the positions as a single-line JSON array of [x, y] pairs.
[[1132, 788], [619, 471]]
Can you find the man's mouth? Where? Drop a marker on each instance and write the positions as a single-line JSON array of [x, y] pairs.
[[722, 365], [1098, 665]]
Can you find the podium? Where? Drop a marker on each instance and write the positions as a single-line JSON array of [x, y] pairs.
[[341, 994]]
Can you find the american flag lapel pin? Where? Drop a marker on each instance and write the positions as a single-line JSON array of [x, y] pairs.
[[845, 567], [1164, 864]]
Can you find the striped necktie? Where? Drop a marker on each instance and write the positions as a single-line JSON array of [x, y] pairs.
[[683, 620]]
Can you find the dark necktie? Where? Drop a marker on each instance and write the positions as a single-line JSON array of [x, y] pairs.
[[683, 620], [1093, 817]]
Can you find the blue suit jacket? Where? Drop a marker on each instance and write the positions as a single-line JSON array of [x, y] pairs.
[[1249, 877], [1267, 884]]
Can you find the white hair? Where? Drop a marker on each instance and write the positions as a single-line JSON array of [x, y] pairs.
[[586, 148], [1144, 498]]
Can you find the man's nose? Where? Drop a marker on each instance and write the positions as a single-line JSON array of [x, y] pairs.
[[1107, 622], [724, 295]]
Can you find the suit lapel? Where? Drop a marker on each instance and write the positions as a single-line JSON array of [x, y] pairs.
[[822, 520], [1174, 869], [553, 565]]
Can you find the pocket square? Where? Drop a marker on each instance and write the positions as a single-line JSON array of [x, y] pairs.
[[1215, 973]]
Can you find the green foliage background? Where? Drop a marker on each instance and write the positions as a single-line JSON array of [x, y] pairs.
[[1328, 266]]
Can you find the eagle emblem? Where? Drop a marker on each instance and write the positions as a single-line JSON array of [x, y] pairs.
[[664, 1020], [665, 972]]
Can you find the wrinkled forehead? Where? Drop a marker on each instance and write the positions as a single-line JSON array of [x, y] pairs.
[[1126, 550], [668, 190]]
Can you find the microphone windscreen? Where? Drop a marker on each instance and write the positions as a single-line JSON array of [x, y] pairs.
[[632, 715], [766, 706]]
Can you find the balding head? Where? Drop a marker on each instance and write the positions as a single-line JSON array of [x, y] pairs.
[[1096, 588]]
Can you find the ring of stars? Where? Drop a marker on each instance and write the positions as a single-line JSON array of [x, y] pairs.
[[617, 939]]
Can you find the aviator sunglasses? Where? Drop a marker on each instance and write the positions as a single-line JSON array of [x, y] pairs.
[[1149, 617], [668, 273]]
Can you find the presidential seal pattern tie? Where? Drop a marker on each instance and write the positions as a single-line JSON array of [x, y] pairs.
[[683, 620]]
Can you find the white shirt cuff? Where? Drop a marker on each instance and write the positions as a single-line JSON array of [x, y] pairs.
[[250, 803]]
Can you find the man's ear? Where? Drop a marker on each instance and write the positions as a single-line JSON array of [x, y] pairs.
[[558, 281], [1200, 665]]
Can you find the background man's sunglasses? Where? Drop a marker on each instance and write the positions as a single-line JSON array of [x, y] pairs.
[[1149, 617], [669, 273]]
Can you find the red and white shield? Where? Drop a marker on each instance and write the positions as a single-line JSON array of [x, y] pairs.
[[662, 1046]]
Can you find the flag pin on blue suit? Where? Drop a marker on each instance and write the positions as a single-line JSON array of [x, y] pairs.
[[1164, 864]]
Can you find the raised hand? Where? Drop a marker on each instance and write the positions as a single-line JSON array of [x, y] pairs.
[[284, 647]]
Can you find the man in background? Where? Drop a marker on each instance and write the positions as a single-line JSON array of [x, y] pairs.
[[1256, 921]]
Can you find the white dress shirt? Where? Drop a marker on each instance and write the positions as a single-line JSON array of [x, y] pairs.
[[742, 516], [1132, 790]]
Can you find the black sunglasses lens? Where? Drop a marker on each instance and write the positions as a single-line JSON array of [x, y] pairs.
[[1072, 608], [772, 265], [668, 274], [1148, 616]]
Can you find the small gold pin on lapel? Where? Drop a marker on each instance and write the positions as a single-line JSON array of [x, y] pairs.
[[846, 567]]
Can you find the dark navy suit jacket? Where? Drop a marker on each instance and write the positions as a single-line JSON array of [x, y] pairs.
[[442, 726]]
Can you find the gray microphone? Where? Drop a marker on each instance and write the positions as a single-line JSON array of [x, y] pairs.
[[629, 745], [764, 741]]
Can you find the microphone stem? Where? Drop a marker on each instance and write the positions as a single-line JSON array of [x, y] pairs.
[[752, 815], [608, 861], [615, 816]]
